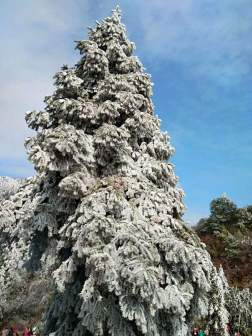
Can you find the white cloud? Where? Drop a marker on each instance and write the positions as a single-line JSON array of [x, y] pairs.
[[36, 43], [211, 38]]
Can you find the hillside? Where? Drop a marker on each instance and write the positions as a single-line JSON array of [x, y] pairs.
[[227, 233]]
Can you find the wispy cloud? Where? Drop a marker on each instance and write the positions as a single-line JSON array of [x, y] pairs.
[[35, 36], [209, 37]]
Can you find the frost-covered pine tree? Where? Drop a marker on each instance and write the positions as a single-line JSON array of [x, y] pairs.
[[218, 316], [239, 304], [103, 213]]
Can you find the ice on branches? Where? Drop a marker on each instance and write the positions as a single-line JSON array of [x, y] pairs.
[[8, 187], [104, 208]]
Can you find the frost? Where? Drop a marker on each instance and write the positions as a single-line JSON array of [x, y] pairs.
[[104, 211]]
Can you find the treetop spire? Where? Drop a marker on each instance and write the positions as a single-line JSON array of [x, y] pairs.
[[117, 12]]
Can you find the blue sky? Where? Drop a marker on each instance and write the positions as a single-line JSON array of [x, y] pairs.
[[199, 53]]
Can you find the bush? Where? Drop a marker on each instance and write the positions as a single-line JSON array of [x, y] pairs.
[[223, 210]]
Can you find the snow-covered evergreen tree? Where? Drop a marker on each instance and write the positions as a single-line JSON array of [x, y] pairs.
[[104, 213], [223, 210], [218, 316], [239, 304]]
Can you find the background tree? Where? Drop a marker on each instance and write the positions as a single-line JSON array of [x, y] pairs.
[[218, 316], [227, 233], [222, 211], [239, 305], [223, 214]]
